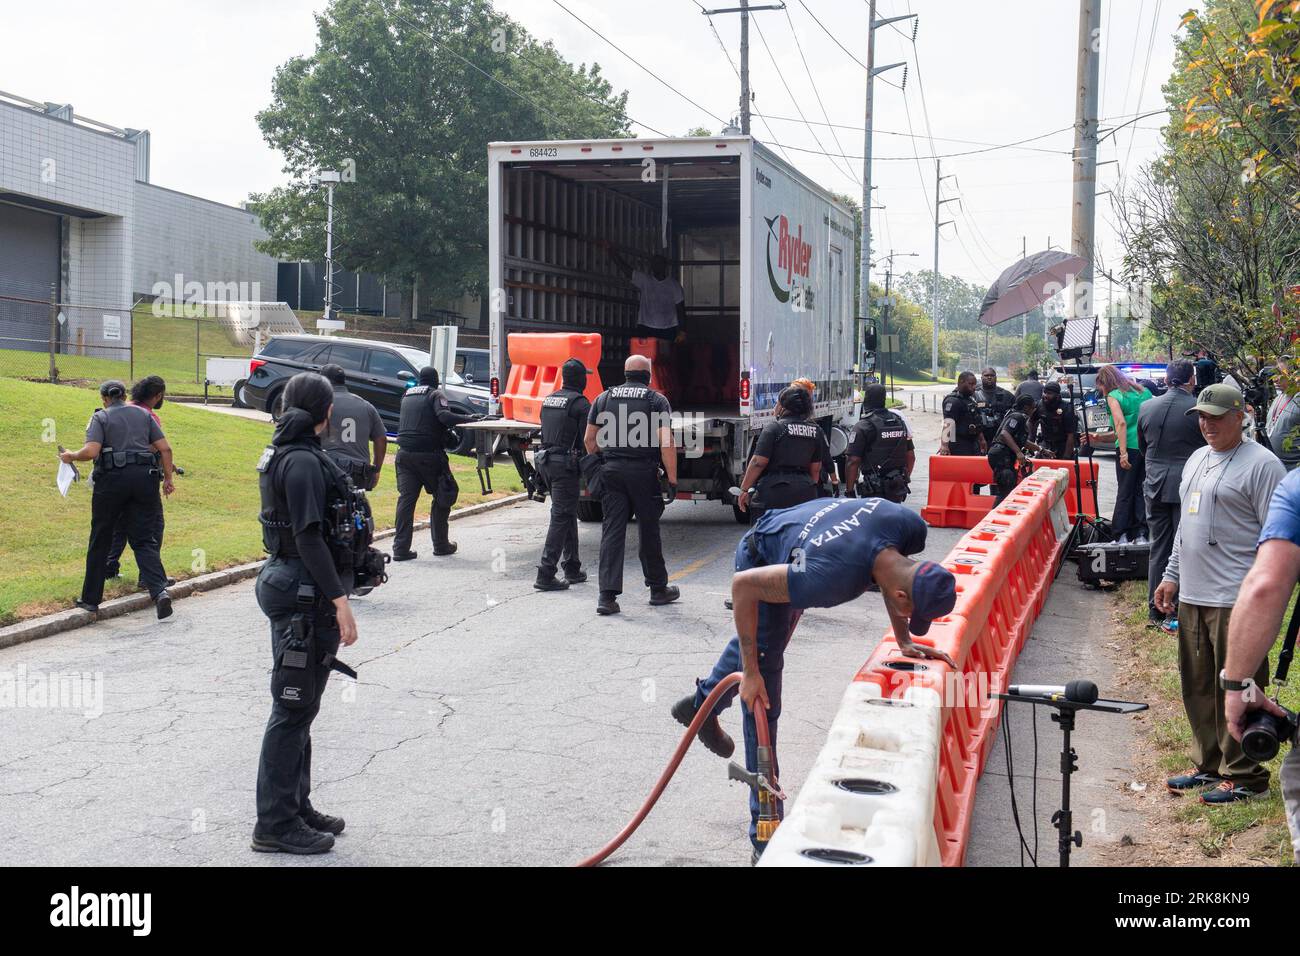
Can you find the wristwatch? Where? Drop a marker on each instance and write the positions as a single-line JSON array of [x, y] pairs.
[[1235, 685]]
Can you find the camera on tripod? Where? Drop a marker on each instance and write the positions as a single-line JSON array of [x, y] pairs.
[[1259, 390]]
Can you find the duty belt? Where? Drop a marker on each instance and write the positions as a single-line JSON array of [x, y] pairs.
[[109, 459]]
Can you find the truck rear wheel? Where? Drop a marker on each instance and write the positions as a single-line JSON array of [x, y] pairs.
[[590, 510]]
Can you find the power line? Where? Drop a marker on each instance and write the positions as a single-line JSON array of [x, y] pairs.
[[842, 46], [885, 132], [790, 93], [732, 63], [642, 66], [813, 83], [1151, 43]]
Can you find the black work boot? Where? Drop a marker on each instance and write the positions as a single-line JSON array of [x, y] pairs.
[[715, 739], [299, 839], [322, 822], [547, 581], [575, 575], [666, 595], [445, 549], [608, 603], [405, 555], [164, 605]]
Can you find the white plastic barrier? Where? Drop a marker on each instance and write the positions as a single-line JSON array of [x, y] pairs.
[[869, 798]]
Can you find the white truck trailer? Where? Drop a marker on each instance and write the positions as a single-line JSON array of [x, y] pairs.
[[765, 257]]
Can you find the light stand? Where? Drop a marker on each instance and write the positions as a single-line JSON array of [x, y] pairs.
[[1071, 344], [1063, 819]]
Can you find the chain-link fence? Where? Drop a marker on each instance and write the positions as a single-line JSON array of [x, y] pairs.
[[64, 341], [53, 341]]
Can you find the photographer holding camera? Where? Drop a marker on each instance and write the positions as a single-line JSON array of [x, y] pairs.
[[1261, 605], [317, 529]]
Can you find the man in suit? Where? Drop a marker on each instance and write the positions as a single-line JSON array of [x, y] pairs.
[[1167, 436]]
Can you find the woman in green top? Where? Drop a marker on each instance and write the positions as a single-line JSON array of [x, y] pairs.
[[1124, 397]]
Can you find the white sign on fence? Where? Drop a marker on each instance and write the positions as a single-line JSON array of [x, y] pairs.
[[887, 344], [112, 328]]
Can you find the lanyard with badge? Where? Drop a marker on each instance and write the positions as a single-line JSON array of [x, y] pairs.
[[1194, 496]]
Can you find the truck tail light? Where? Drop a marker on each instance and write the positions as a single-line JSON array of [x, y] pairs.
[[495, 387], [744, 389]]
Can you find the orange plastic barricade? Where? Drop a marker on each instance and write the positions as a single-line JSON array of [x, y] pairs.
[[951, 503], [663, 376], [535, 361]]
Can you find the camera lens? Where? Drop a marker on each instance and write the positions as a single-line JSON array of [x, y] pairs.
[[1260, 741]]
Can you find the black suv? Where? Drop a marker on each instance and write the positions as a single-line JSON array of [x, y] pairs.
[[377, 371]]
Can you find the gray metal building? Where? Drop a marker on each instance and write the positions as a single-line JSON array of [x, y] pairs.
[[79, 214]]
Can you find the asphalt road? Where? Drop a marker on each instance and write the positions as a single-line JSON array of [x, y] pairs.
[[492, 723]]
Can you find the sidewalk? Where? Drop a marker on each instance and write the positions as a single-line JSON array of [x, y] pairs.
[[1068, 643]]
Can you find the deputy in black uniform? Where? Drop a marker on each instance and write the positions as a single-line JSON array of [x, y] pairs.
[[1056, 424], [147, 393], [422, 463], [564, 420], [786, 466], [630, 428], [993, 402], [962, 433], [881, 450], [1009, 444], [299, 587], [131, 456]]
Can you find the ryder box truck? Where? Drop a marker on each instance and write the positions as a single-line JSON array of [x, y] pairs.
[[764, 256]]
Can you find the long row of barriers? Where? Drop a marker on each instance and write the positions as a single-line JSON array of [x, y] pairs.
[[895, 783]]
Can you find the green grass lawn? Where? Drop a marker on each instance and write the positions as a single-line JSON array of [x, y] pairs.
[[1171, 735], [211, 519], [162, 345]]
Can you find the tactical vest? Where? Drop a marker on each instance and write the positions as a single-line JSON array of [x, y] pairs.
[[889, 451], [965, 415], [559, 427], [627, 419], [993, 410], [418, 429], [796, 446], [347, 525], [1052, 422], [123, 444], [1016, 424]]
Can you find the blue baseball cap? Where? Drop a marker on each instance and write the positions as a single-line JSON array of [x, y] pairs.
[[934, 594]]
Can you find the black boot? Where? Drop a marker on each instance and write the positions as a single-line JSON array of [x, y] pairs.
[[666, 595], [164, 605], [715, 739], [445, 549], [575, 575], [405, 555], [547, 581], [322, 822], [608, 603], [299, 839]]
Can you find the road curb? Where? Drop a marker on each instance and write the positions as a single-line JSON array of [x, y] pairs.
[[71, 619]]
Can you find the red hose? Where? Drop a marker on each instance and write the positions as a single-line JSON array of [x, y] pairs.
[[701, 715]]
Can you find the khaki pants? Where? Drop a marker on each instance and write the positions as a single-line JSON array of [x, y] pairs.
[[1202, 651]]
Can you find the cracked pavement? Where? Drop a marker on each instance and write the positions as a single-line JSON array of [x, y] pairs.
[[492, 724]]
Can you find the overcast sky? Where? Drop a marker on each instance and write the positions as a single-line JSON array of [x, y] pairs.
[[195, 72]]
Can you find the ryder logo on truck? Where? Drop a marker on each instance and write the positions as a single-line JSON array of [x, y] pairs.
[[793, 262]]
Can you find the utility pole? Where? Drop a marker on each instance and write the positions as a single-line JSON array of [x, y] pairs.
[[934, 295], [1084, 212], [1024, 319], [744, 10], [864, 260]]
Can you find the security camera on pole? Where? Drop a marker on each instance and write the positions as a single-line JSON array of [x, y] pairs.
[[328, 178]]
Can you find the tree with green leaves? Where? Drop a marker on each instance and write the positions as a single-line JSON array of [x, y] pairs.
[[403, 96], [1212, 227]]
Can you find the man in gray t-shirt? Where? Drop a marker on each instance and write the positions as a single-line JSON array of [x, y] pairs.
[[354, 426], [1224, 496]]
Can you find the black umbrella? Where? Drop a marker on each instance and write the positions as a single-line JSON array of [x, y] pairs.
[[1028, 284]]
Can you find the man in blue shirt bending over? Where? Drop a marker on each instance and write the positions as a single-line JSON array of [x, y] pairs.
[[818, 554]]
